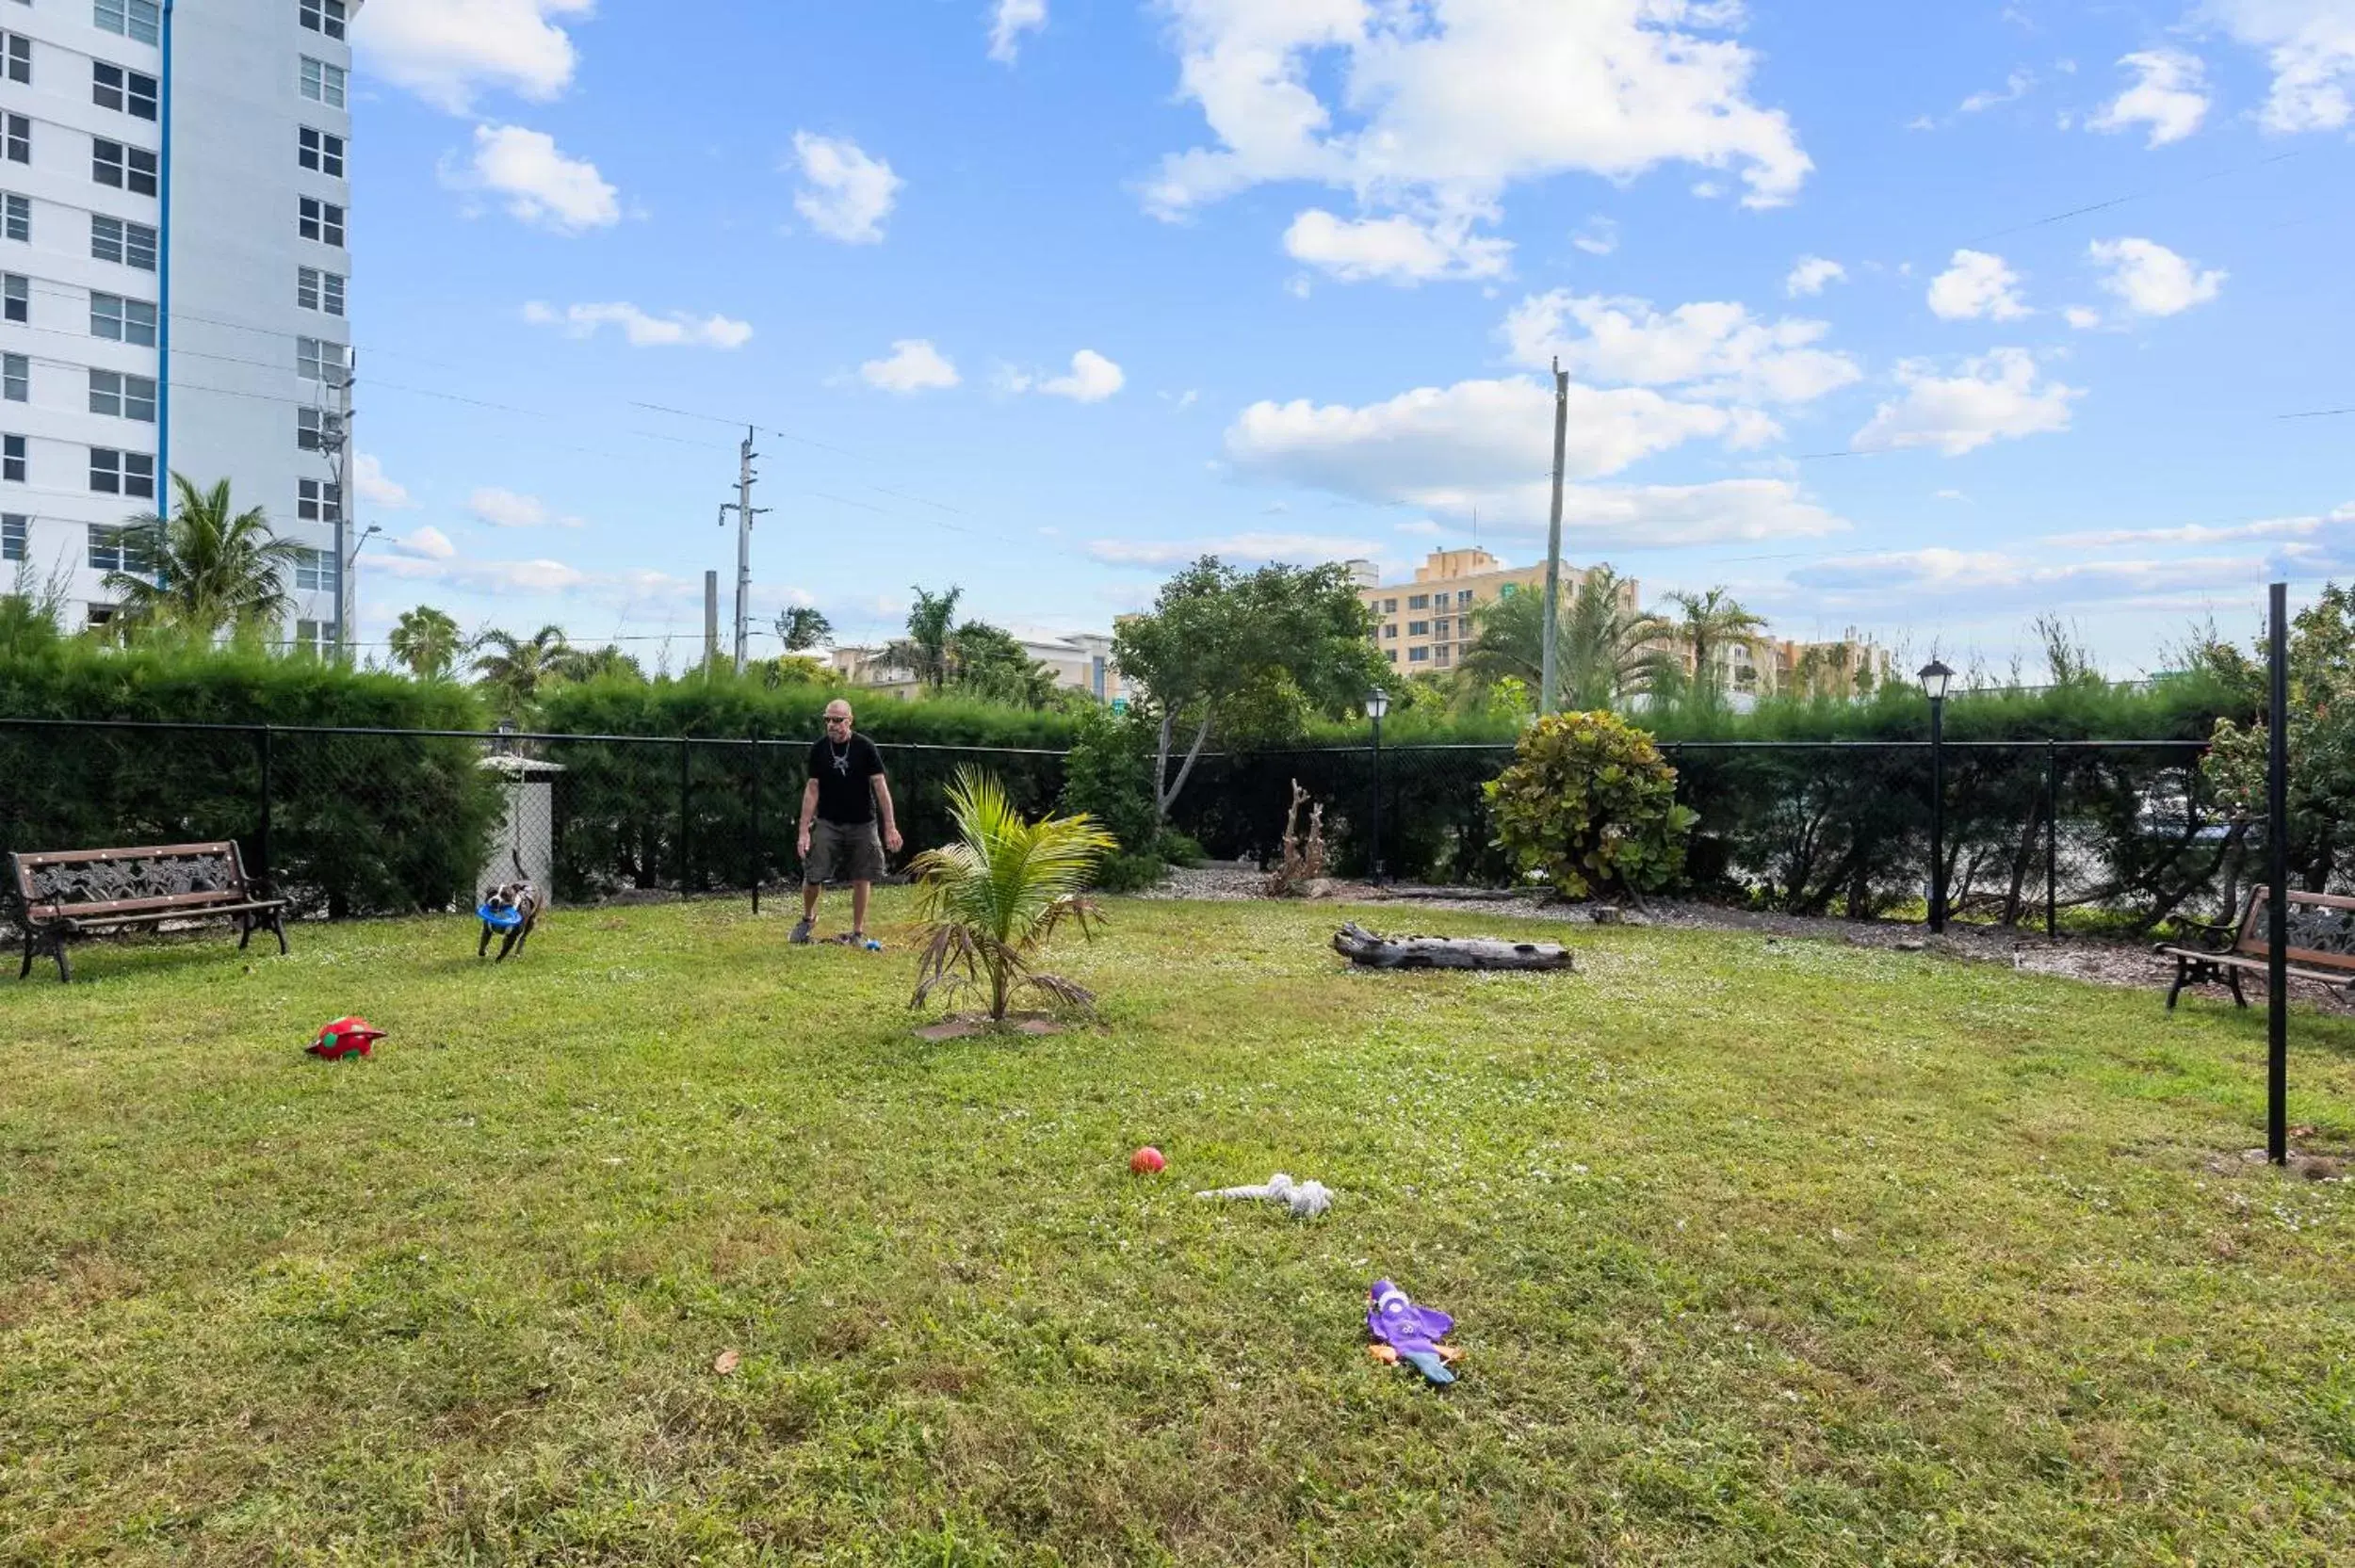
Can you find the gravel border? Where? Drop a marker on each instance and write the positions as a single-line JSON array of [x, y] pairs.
[[2121, 965]]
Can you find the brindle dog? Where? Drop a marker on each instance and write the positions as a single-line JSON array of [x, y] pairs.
[[518, 897]]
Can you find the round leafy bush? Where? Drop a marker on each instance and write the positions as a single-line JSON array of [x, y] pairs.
[[1591, 804]]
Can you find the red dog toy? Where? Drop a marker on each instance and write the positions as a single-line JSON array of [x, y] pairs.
[[345, 1037], [1148, 1161]]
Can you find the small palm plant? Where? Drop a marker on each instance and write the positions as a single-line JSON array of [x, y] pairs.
[[991, 900]]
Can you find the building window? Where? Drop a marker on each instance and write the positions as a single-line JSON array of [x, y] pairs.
[[113, 472], [16, 377], [1438, 628], [13, 459], [316, 501], [1419, 628], [1463, 597], [1390, 607], [309, 635], [19, 131], [131, 92], [322, 222], [318, 150], [17, 217], [1389, 631], [324, 16], [122, 320], [316, 290], [314, 429], [115, 547], [316, 359], [1418, 655], [1390, 654], [123, 397], [131, 168], [323, 83], [1418, 601], [115, 240], [314, 571], [140, 20], [14, 528], [16, 297], [19, 51]]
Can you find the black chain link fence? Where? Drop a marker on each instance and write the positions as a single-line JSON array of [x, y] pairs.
[[359, 822]]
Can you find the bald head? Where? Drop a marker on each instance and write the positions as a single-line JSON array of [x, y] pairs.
[[838, 719]]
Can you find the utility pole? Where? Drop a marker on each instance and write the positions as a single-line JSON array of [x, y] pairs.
[[1546, 699], [712, 615], [745, 511], [335, 444]]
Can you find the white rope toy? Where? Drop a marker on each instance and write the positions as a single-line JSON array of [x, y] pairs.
[[1307, 1200]]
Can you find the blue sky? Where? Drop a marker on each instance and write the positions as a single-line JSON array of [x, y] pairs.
[[1922, 319]]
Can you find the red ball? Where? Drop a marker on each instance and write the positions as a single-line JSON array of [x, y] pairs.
[[1148, 1161]]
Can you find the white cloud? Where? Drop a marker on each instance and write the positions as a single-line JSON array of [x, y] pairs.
[[374, 487], [677, 329], [446, 51], [426, 544], [2209, 533], [1434, 109], [1012, 18], [1714, 348], [1998, 396], [1092, 379], [2169, 95], [914, 365], [2152, 279], [1422, 527], [1811, 274], [2311, 46], [1305, 549], [2015, 87], [1600, 238], [1488, 445], [1948, 577], [505, 509], [1395, 249], [1977, 285], [542, 187], [2083, 317], [848, 193]]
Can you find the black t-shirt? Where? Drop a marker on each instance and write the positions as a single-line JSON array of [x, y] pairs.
[[842, 772]]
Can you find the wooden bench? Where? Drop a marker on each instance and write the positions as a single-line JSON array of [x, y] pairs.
[[84, 892], [2321, 945]]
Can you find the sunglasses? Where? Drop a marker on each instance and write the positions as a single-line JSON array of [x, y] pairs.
[[838, 720]]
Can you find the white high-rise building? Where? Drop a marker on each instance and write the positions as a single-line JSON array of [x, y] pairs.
[[175, 273]]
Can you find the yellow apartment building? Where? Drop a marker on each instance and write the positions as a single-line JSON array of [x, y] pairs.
[[1421, 626]]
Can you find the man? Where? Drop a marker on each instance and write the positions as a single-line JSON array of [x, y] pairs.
[[839, 807]]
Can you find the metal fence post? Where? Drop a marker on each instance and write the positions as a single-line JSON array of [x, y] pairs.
[[685, 788], [260, 833], [2051, 841], [756, 824]]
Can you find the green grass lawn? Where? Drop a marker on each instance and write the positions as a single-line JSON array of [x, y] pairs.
[[1763, 1253]]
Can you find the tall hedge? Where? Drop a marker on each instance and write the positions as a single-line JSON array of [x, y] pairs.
[[358, 825]]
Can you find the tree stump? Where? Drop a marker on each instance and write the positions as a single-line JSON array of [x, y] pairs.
[[1368, 951]]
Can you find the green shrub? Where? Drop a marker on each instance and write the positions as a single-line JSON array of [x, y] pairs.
[[1176, 849], [1109, 776], [1128, 873], [1590, 803]]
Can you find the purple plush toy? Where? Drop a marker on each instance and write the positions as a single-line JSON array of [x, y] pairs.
[[1405, 1332]]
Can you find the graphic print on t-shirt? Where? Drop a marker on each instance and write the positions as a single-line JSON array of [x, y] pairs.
[[843, 770]]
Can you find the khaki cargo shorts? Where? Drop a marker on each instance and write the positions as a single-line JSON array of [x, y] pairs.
[[843, 852]]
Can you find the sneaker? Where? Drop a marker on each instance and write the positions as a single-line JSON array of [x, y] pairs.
[[801, 933]]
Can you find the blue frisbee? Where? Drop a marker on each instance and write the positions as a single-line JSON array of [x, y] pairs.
[[499, 919]]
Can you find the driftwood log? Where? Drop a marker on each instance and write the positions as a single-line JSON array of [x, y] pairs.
[[1363, 947]]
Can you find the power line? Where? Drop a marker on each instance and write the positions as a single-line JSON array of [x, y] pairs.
[[2135, 196]]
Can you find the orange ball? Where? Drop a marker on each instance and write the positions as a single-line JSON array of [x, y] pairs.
[[1148, 1161]]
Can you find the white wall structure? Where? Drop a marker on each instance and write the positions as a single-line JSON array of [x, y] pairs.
[[175, 273]]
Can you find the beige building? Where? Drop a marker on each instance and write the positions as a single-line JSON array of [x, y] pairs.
[[1082, 663], [1421, 626], [1773, 667]]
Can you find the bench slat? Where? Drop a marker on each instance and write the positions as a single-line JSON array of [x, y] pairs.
[[2256, 940], [156, 917], [223, 849], [167, 902]]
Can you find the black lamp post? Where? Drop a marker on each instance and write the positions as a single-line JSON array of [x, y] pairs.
[[1377, 703], [1935, 676]]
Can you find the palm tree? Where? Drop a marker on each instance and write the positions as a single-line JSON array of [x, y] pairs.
[[804, 628], [515, 670], [929, 651], [206, 569], [991, 900], [1605, 649], [1707, 623], [426, 641]]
